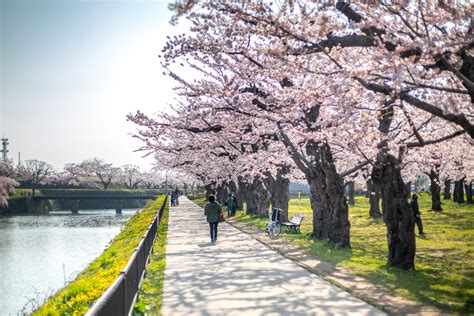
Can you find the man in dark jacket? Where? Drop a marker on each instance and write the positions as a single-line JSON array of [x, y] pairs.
[[416, 213]]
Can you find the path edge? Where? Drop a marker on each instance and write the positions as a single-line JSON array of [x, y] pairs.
[[395, 305]]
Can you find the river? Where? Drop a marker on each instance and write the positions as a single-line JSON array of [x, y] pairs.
[[39, 254]]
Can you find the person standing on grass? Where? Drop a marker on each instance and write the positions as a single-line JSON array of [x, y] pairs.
[[416, 213], [230, 205], [212, 211]]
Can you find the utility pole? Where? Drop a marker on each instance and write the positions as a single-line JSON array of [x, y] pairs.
[[19, 159], [5, 150]]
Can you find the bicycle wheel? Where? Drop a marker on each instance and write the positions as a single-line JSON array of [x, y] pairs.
[[267, 229], [275, 231]]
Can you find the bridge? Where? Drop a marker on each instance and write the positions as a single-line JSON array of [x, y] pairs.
[[143, 196], [76, 196]]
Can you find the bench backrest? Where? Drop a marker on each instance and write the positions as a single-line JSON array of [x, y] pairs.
[[297, 219]]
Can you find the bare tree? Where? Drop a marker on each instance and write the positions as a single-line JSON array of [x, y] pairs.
[[34, 172]]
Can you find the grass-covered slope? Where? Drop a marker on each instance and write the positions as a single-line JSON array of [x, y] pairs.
[[151, 290], [78, 296]]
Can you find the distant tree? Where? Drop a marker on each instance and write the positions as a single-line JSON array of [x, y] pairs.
[[34, 172], [7, 184], [101, 171], [66, 177], [71, 172], [151, 179], [131, 176]]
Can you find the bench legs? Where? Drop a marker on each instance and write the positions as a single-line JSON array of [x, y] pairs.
[[294, 228]]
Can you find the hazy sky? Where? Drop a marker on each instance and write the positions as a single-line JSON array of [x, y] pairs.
[[72, 69]]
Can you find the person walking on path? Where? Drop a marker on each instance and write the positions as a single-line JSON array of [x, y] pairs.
[[212, 211], [416, 213], [230, 205]]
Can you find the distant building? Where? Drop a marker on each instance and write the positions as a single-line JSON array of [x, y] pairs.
[[301, 187]]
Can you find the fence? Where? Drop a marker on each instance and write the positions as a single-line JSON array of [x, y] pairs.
[[118, 299]]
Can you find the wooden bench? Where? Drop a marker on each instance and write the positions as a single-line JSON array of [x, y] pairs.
[[294, 224]]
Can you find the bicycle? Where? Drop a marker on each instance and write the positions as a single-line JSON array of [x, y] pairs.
[[273, 228]]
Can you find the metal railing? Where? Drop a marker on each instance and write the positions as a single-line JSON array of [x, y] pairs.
[[119, 298], [97, 194]]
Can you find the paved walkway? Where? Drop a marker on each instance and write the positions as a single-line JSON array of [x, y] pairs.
[[240, 276]]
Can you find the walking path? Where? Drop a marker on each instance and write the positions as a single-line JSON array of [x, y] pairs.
[[240, 276]]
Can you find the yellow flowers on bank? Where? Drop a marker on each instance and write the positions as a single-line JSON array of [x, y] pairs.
[[77, 297]]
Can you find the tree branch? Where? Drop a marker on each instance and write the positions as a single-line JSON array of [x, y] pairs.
[[352, 170], [435, 141], [300, 161]]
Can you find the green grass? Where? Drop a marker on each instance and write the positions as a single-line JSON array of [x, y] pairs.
[[444, 275], [199, 199], [22, 192], [78, 296], [151, 290]]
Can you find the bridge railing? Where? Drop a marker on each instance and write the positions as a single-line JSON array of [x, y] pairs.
[[119, 298], [86, 192]]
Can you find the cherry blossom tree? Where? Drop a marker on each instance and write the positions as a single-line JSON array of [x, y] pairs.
[[333, 89], [151, 179], [131, 176], [102, 172], [7, 183]]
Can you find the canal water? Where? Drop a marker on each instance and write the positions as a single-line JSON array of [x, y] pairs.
[[40, 254]]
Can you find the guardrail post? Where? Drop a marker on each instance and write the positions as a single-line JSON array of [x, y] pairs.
[[125, 309], [138, 261]]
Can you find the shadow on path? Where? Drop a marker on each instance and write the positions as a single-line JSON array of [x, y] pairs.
[[240, 276]]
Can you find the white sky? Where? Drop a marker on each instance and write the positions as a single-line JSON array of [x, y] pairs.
[[72, 69]]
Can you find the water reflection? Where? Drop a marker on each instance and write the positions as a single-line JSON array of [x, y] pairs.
[[39, 253]]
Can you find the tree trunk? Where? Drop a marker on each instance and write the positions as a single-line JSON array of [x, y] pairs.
[[279, 188], [232, 188], [368, 183], [351, 192], [221, 195], [435, 191], [340, 226], [408, 189], [251, 198], [209, 190], [455, 192], [398, 216], [458, 195], [468, 187], [374, 199], [263, 197], [447, 189], [319, 206], [241, 193], [257, 198], [330, 209]]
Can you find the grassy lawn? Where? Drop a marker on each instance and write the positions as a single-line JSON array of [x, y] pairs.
[[78, 295], [23, 192], [444, 275], [199, 199], [151, 290]]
